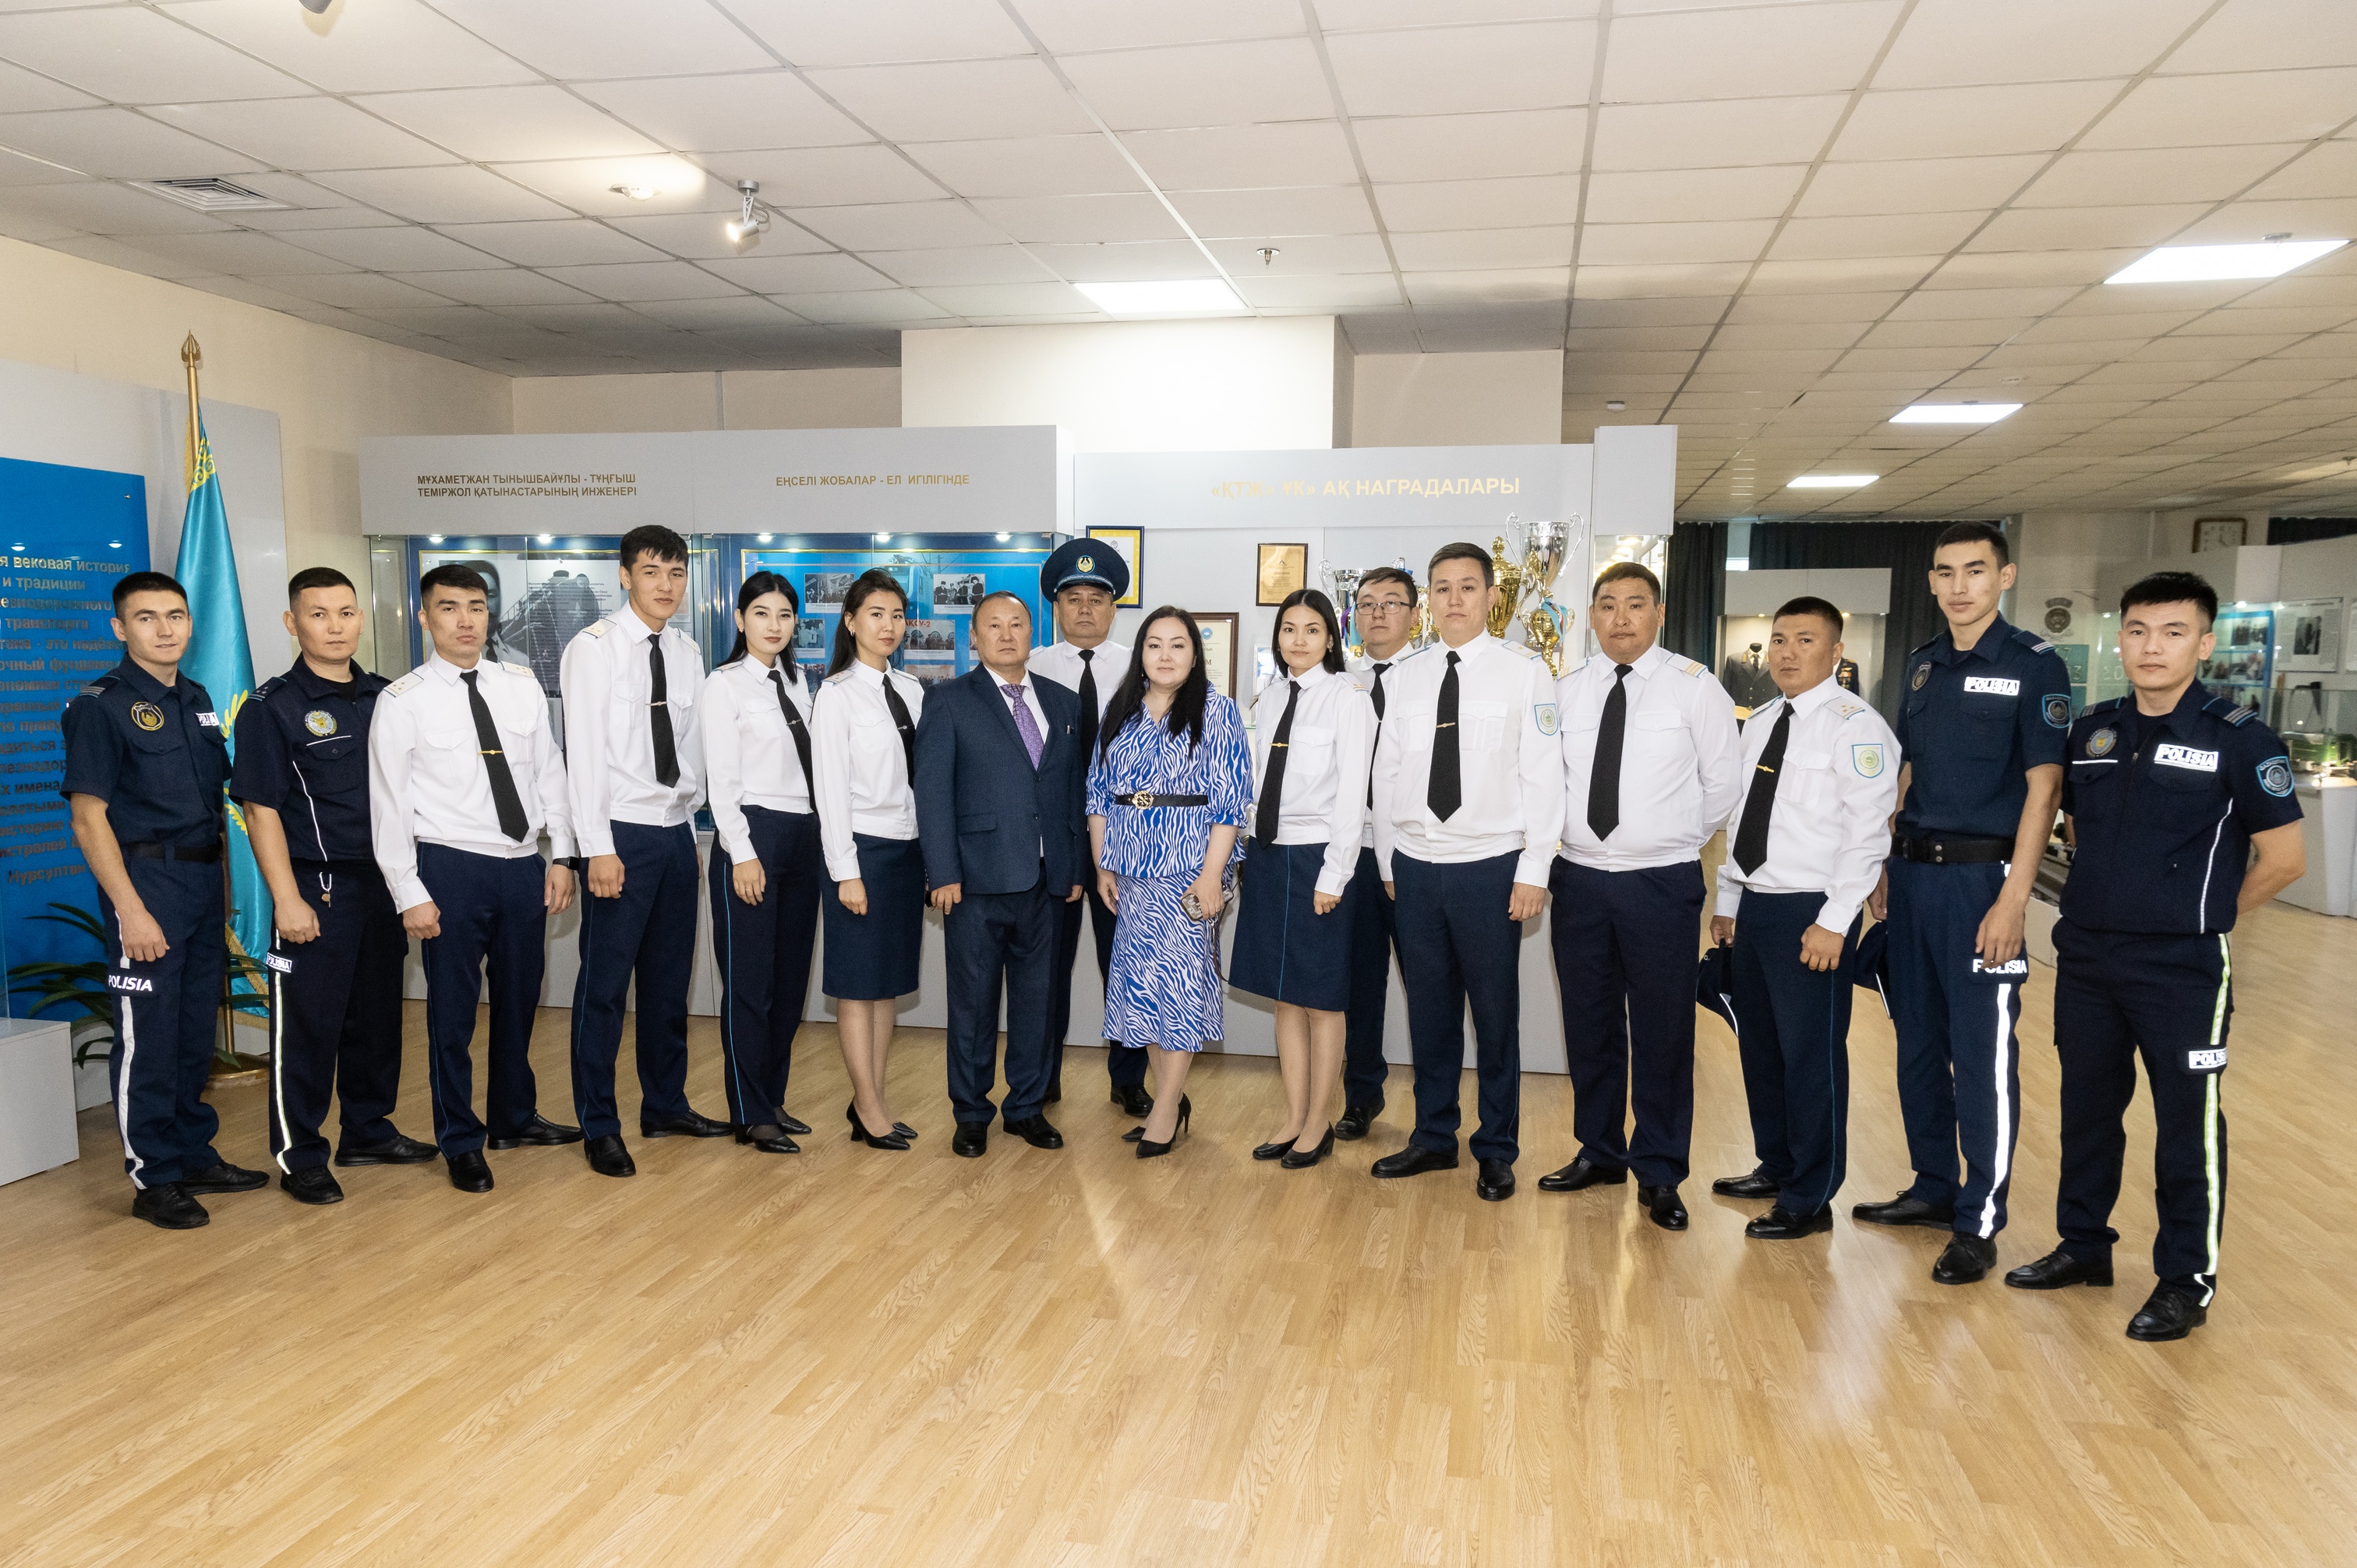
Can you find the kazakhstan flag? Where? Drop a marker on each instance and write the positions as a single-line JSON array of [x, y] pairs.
[[222, 663]]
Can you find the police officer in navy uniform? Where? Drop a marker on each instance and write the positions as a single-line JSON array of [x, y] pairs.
[[2168, 795], [335, 971], [145, 760], [1983, 715]]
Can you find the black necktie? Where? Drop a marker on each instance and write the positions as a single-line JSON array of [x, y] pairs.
[[801, 736], [1271, 783], [908, 727], [513, 821], [1376, 693], [659, 711], [1604, 778], [1445, 791], [1752, 835], [1089, 715]]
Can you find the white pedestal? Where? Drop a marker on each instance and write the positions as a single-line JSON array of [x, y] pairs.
[[37, 1098], [2329, 829]]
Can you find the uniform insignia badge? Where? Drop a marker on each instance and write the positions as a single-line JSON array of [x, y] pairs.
[[2100, 744], [1545, 714], [147, 716], [2274, 776], [2058, 709], [2213, 1060], [1922, 673], [1868, 760], [1086, 562], [320, 722]]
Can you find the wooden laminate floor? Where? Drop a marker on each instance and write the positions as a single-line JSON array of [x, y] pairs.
[[854, 1357]]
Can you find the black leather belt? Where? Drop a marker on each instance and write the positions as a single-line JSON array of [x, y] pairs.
[[204, 853], [1145, 801], [1928, 850]]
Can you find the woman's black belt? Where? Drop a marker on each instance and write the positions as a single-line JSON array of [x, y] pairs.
[[1934, 849], [1147, 801]]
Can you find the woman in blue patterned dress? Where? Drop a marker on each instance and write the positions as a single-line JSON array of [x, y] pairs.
[[1169, 791]]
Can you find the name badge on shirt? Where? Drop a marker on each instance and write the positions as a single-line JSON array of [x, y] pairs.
[[2185, 757], [1995, 685], [209, 720]]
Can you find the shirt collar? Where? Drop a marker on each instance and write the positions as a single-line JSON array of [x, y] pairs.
[[147, 686], [999, 684], [2180, 719], [1643, 666], [1099, 651], [1317, 672], [448, 673], [627, 619], [1992, 642], [1482, 642], [311, 683], [863, 671], [1817, 697]]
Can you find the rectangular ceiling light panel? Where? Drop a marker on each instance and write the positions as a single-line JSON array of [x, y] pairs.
[[1833, 481], [2207, 263], [1955, 413]]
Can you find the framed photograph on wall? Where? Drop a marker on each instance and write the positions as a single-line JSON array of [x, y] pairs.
[[2307, 633], [1219, 650], [1129, 543], [1283, 569]]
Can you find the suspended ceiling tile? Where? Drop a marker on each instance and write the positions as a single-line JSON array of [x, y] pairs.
[[729, 313], [1203, 84], [955, 100], [1788, 335], [1955, 43], [1508, 283], [1280, 213], [1012, 299], [1728, 53], [1447, 70], [1472, 147], [510, 125], [2241, 222], [1916, 185], [1485, 204], [1627, 244], [2144, 175], [1673, 196], [1483, 248], [1831, 239], [2079, 228], [136, 255], [97, 209], [132, 55], [1362, 291], [575, 38], [906, 30], [569, 242], [1323, 255], [1961, 122], [1842, 275], [799, 274], [1143, 261], [958, 264], [700, 236], [115, 144], [1661, 281], [1029, 166], [2250, 106], [900, 225], [459, 193], [822, 177], [1225, 157], [354, 290], [494, 286], [726, 114], [1854, 307], [1075, 25], [1702, 310], [1730, 133], [22, 91], [1076, 220]]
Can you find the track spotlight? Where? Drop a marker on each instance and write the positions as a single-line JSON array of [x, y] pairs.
[[744, 231]]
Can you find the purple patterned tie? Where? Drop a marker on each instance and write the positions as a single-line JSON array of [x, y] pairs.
[[1031, 741]]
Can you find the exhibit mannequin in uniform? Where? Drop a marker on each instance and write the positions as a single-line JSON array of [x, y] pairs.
[[336, 968], [144, 765], [2169, 794], [1084, 579], [1384, 618]]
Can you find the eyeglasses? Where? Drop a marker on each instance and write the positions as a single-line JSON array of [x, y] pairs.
[[1376, 606]]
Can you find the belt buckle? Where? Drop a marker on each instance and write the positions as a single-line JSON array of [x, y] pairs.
[[1143, 800]]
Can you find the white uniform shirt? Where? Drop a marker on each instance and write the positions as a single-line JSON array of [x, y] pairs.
[[1329, 751], [1680, 760], [749, 757], [862, 767], [609, 727], [428, 782], [1830, 826], [1061, 663], [1362, 675], [1509, 767]]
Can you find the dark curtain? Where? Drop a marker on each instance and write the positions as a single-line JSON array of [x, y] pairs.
[[1694, 589], [2304, 530], [1904, 547]]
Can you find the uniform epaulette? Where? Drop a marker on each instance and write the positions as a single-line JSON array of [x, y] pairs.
[[597, 627], [2233, 712], [524, 670], [2031, 639], [1524, 649], [406, 682], [270, 685], [1847, 709], [1925, 647], [98, 688], [838, 678], [2105, 707], [1685, 666]]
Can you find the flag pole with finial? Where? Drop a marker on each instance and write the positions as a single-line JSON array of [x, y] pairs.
[[191, 356]]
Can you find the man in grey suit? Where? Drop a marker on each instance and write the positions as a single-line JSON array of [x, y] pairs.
[[999, 799]]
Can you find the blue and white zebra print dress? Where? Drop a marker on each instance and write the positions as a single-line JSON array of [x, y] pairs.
[[1165, 988]]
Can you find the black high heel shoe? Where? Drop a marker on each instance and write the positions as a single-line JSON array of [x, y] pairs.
[[1274, 1150], [1294, 1160], [1148, 1149], [860, 1134], [768, 1137]]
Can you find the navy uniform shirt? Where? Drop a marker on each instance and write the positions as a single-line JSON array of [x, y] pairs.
[[154, 754], [2164, 807], [1972, 723], [302, 750]]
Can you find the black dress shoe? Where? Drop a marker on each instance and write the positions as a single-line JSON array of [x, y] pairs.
[[540, 1132], [2058, 1269], [1147, 1149], [969, 1140], [168, 1206], [1037, 1131], [1294, 1159], [1906, 1210], [1966, 1261], [1583, 1172], [1274, 1149], [1413, 1161], [1757, 1184], [688, 1126], [794, 1124], [1133, 1101], [1495, 1184], [905, 1130], [1781, 1224], [2167, 1314], [860, 1134], [312, 1184], [1661, 1205], [770, 1138], [470, 1172], [1357, 1121], [224, 1177], [610, 1157], [401, 1151]]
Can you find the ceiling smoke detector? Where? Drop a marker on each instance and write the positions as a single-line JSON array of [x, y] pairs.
[[212, 194]]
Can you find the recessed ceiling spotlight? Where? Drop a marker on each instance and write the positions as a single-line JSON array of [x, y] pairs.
[[1615, 404], [1955, 413], [635, 192], [1833, 481], [2271, 258], [744, 232], [433, 539], [545, 538], [764, 538], [1176, 296]]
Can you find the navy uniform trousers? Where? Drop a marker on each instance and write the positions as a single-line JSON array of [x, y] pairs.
[[1456, 943], [1625, 964], [335, 1015], [988, 939], [1374, 937], [1959, 1069], [2119, 995], [491, 909], [648, 929], [1793, 1033], [1126, 1069], [764, 951], [164, 1020]]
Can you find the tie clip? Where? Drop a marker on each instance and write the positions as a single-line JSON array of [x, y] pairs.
[[1446, 724]]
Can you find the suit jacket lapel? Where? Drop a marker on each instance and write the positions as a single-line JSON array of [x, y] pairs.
[[996, 701]]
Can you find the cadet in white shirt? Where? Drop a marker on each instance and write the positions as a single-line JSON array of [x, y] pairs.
[[768, 869], [1084, 579], [1805, 851], [1385, 620], [1651, 766], [865, 761], [1469, 799], [630, 685], [1313, 736], [464, 773]]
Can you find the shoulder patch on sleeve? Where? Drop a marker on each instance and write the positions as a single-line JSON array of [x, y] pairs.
[[522, 670], [2058, 709], [407, 682], [597, 627], [2274, 776]]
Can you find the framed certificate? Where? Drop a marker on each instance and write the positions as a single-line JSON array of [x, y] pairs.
[[1129, 543], [1283, 569], [1219, 650]]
